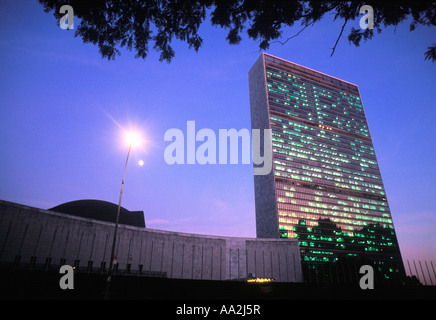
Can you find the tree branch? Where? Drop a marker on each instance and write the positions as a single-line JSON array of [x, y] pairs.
[[294, 34], [340, 34]]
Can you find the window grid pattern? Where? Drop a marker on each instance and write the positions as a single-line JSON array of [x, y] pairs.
[[328, 184]]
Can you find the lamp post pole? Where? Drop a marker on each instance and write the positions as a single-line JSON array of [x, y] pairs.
[[109, 276]]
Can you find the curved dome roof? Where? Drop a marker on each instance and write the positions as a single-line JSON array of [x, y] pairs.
[[101, 210]]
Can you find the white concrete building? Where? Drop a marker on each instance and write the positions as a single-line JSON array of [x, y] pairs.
[[37, 238]]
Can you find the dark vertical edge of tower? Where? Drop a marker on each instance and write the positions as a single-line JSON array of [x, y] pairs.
[[265, 199]]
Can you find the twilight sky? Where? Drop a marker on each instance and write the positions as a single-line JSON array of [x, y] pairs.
[[62, 107]]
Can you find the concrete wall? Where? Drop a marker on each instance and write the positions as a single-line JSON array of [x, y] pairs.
[[35, 235], [267, 224]]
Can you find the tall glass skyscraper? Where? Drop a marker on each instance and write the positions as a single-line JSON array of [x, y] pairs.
[[325, 188]]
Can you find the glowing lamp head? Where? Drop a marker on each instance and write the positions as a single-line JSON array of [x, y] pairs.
[[133, 138]]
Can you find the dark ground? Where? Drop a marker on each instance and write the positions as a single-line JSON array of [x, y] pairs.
[[44, 285], [38, 292]]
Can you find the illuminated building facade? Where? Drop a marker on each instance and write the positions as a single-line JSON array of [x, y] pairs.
[[325, 188]]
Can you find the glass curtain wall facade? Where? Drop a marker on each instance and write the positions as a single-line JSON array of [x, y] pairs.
[[325, 188]]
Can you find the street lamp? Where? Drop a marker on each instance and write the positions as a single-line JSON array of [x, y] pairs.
[[133, 139]]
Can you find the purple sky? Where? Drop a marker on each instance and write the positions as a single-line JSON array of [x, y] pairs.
[[62, 105]]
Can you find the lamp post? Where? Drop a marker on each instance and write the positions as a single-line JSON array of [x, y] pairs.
[[132, 139]]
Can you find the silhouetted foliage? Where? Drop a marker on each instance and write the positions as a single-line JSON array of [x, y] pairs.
[[431, 53], [133, 24]]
